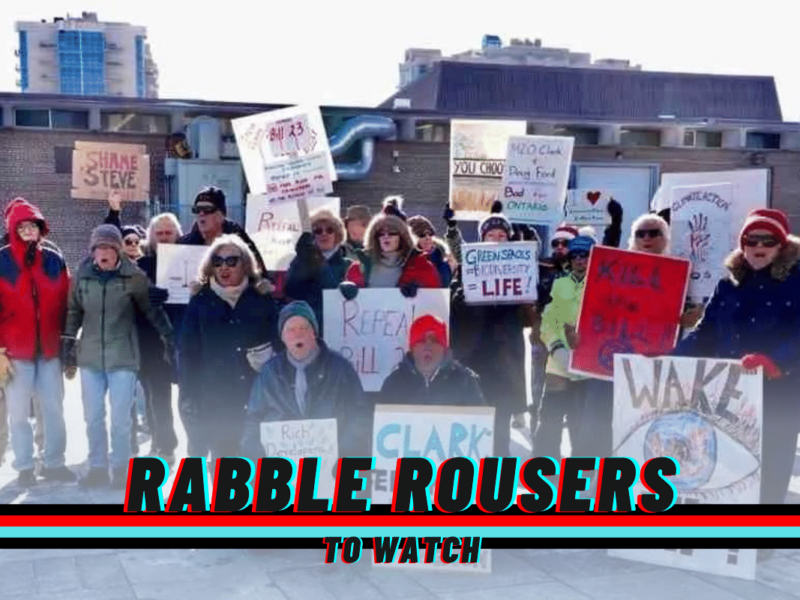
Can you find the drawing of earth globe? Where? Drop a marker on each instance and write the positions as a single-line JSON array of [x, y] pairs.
[[689, 439]]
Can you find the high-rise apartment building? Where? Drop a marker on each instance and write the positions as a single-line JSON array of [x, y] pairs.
[[85, 57]]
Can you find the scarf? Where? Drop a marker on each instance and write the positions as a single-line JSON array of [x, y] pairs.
[[386, 271], [300, 380], [229, 294], [328, 253]]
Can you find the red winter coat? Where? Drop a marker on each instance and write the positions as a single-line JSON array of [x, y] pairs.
[[417, 269], [33, 298]]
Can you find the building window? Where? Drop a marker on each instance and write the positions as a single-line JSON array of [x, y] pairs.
[[432, 131], [702, 139], [763, 140], [640, 137], [82, 62], [51, 119], [140, 81], [32, 118], [23, 60], [135, 123], [584, 136]]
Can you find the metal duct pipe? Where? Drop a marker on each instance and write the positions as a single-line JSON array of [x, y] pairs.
[[364, 128], [360, 169]]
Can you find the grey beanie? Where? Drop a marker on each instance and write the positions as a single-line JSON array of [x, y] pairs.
[[106, 234], [298, 308]]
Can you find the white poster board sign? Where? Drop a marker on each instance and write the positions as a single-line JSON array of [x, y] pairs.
[[371, 331], [477, 159], [178, 265], [750, 189], [588, 207], [274, 226], [435, 432], [713, 431], [285, 153], [535, 178], [496, 273], [701, 221], [312, 438]]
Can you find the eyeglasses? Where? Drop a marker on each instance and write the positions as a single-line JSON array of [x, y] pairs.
[[559, 244], [131, 241], [205, 209], [388, 234], [648, 233], [751, 241], [580, 254], [324, 230], [229, 261]]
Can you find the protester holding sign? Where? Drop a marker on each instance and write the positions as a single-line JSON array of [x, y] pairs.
[[487, 338], [307, 380], [34, 285], [428, 374], [321, 262], [754, 315], [564, 392], [228, 334], [390, 258], [107, 291]]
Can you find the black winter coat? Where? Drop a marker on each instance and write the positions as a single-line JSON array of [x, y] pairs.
[[334, 391], [452, 385], [215, 377]]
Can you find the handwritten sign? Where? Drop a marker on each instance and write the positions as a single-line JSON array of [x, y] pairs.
[[433, 432], [314, 438], [535, 178], [177, 266], [97, 169], [371, 331], [500, 273], [285, 153], [588, 207], [477, 157], [631, 304], [701, 221], [275, 226]]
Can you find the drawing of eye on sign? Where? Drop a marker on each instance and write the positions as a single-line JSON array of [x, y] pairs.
[[705, 413], [177, 267], [495, 273], [371, 331], [285, 153], [584, 207], [274, 226]]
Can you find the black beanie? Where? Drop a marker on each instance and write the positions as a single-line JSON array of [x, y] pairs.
[[213, 196]]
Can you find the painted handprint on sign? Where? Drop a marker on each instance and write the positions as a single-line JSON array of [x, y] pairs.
[[699, 238]]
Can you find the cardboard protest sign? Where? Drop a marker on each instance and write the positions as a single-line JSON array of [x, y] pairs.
[[701, 221], [496, 273], [477, 157], [371, 331], [707, 414], [177, 266], [274, 226], [285, 153], [97, 169], [632, 302], [584, 207], [314, 438], [535, 178], [750, 189], [434, 432]]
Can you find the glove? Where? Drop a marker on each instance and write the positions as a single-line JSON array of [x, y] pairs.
[[264, 287], [449, 216], [258, 356], [615, 211], [157, 295], [348, 289], [753, 361], [169, 351], [409, 290], [6, 370], [69, 354], [497, 207]]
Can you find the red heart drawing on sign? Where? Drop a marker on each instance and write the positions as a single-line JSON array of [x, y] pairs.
[[593, 197]]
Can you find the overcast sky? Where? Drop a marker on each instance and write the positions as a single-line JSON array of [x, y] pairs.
[[347, 52]]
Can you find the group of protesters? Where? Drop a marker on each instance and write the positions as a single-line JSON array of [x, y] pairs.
[[244, 351]]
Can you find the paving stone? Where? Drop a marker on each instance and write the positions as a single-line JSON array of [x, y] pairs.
[[101, 571], [185, 565], [57, 574], [539, 591], [393, 583], [663, 584], [748, 590], [111, 593], [23, 578], [213, 588], [781, 574], [566, 566], [298, 585]]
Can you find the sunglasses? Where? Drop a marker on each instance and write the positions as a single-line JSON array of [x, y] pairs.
[[204, 210], [230, 261], [559, 244], [388, 234], [751, 241], [581, 254], [425, 234], [324, 230], [648, 233], [131, 241]]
